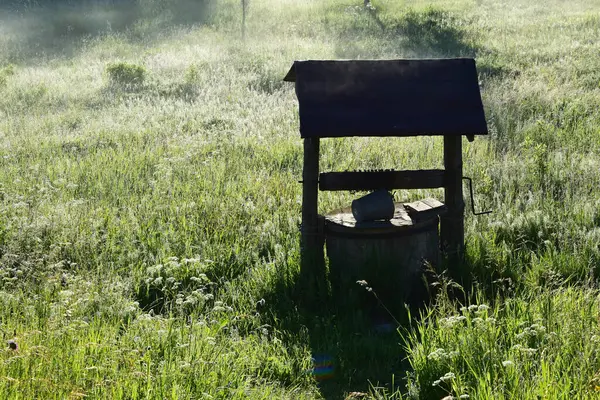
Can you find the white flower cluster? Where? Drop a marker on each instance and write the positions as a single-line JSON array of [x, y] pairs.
[[535, 330], [474, 308], [448, 377], [480, 310], [219, 306], [441, 354], [451, 321], [524, 350]]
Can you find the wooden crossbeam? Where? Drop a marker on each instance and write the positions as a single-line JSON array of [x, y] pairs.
[[373, 180]]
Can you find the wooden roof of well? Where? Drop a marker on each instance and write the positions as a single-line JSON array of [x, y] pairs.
[[388, 97]]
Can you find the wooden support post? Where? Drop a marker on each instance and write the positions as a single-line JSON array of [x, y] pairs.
[[312, 263], [453, 223]]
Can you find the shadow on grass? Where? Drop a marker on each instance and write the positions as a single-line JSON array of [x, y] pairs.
[[355, 342], [54, 29], [356, 345]]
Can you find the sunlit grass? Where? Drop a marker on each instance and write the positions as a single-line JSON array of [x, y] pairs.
[[149, 229]]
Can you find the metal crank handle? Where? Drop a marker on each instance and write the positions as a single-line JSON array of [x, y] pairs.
[[473, 198]]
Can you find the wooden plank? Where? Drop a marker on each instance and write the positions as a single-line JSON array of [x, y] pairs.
[[432, 203], [425, 209], [424, 205], [452, 224], [373, 180]]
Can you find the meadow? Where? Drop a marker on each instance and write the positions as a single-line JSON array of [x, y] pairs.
[[149, 203]]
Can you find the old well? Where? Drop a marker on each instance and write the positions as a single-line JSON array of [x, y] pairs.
[[390, 255]]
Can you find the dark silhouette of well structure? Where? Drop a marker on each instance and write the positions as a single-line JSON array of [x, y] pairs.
[[384, 98]]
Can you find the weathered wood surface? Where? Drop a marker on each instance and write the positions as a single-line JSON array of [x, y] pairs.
[[343, 218], [421, 179], [452, 224], [312, 263], [424, 205], [424, 209], [391, 257]]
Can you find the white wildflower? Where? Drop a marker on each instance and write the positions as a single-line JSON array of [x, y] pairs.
[[158, 281], [437, 354], [448, 377]]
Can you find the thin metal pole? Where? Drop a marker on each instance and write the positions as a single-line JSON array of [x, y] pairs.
[[244, 11]]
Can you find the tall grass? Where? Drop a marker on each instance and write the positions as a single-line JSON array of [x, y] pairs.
[[149, 204], [543, 344]]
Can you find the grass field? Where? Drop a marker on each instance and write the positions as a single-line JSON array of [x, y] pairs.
[[149, 203]]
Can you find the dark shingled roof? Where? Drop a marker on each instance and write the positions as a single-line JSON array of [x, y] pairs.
[[388, 98]]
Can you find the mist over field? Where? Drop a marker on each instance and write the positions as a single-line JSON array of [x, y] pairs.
[[58, 28], [150, 204]]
